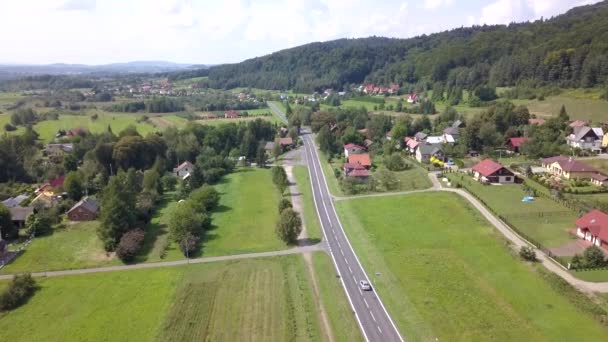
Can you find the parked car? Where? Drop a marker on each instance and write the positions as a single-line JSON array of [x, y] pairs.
[[365, 286]]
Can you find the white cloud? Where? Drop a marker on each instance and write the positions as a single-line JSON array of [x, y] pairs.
[[507, 11], [435, 4], [78, 5]]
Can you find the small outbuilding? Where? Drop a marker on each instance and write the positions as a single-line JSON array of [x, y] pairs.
[[85, 210]]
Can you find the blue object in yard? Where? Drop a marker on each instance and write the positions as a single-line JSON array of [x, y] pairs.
[[528, 199], [450, 162]]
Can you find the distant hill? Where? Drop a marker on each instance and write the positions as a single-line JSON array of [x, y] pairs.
[[20, 70], [569, 50]]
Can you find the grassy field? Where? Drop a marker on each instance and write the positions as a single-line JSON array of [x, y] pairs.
[[542, 220], [247, 215], [578, 107], [310, 215], [9, 99], [75, 246], [445, 274], [266, 299]]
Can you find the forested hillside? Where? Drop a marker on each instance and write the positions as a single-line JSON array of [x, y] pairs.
[[570, 50]]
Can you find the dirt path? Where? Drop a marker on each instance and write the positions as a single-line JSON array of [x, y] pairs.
[[296, 201], [295, 250]]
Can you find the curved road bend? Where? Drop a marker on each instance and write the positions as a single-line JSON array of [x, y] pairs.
[[372, 317]]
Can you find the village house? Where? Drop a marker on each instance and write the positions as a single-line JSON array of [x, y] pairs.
[[593, 227], [56, 152], [362, 159], [51, 186], [586, 138], [599, 179], [19, 215], [231, 114], [356, 170], [184, 170], [393, 89], [45, 199], [286, 143], [568, 168], [489, 171], [411, 145], [85, 210], [605, 141], [425, 151], [536, 121], [413, 98], [353, 149], [368, 143], [420, 136], [434, 139], [514, 144]]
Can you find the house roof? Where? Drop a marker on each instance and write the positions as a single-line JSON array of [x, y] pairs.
[[596, 222], [87, 203], [14, 201], [20, 213], [429, 149], [351, 146], [359, 173], [353, 166], [434, 139], [577, 123], [269, 145], [231, 114], [452, 131], [570, 165], [420, 135], [582, 132], [363, 159], [64, 147], [518, 141], [457, 124], [182, 166], [368, 142], [448, 138], [487, 167], [412, 144], [599, 177], [286, 141], [536, 121]]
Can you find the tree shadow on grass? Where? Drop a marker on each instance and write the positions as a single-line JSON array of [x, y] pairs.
[[209, 235], [221, 209], [308, 241]]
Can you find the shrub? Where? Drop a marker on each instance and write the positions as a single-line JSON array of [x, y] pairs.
[[594, 257], [284, 204], [527, 253], [395, 162], [577, 262], [21, 288], [130, 244], [9, 128], [168, 182], [289, 226], [163, 249], [206, 198]]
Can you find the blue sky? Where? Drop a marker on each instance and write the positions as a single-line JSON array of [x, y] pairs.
[[221, 31]]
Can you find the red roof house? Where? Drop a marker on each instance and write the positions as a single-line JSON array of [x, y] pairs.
[[593, 227], [363, 159], [568, 168], [353, 149], [489, 171], [577, 123], [513, 144], [231, 114], [51, 185], [356, 170]]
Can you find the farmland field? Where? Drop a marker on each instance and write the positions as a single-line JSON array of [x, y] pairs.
[[543, 220], [75, 246], [445, 274], [578, 107], [266, 299], [247, 215]]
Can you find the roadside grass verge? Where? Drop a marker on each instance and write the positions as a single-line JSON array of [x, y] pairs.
[[444, 273], [310, 215], [341, 316]]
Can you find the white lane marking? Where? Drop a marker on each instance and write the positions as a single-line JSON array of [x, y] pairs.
[[364, 301], [355, 279], [339, 244], [341, 252], [333, 258], [350, 269], [315, 153], [374, 318], [380, 330], [346, 261]]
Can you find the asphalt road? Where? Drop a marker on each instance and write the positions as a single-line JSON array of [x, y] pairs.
[[369, 311]]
